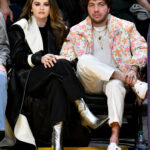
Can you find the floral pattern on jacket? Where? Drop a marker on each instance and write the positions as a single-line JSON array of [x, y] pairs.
[[127, 46]]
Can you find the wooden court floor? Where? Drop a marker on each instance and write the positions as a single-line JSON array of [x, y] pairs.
[[78, 148], [82, 148]]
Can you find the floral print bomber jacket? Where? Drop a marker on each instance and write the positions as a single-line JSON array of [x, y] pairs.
[[127, 46]]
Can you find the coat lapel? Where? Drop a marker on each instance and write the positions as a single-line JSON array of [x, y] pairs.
[[32, 34], [89, 35], [85, 31]]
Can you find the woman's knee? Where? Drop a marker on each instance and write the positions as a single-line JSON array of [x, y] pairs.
[[63, 66], [63, 62]]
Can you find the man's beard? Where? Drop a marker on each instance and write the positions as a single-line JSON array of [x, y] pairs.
[[99, 21]]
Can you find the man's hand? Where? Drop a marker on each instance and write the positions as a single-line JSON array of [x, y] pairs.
[[131, 77], [2, 68], [6, 11]]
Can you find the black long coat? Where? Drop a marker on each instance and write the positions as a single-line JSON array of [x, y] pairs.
[[32, 107], [19, 75]]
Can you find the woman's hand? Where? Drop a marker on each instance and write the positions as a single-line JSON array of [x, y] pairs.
[[48, 60]]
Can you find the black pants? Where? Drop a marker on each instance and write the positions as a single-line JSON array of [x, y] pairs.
[[53, 88], [49, 96]]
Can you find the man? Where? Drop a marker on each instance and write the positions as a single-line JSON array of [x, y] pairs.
[[110, 51], [4, 54]]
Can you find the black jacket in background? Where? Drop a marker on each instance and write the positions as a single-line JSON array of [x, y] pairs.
[[20, 2]]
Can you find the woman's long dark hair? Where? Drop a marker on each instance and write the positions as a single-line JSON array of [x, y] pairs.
[[56, 20]]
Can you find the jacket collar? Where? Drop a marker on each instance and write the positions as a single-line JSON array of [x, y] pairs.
[[32, 33], [86, 29]]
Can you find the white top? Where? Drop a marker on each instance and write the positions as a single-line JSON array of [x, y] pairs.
[[102, 50]]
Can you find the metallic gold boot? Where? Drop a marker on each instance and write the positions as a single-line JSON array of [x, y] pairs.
[[88, 119]]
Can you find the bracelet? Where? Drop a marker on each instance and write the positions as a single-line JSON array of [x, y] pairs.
[[133, 70]]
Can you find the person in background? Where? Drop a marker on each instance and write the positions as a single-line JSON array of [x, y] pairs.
[[145, 4], [110, 52], [5, 10], [141, 11], [71, 10], [11, 10], [120, 9], [4, 55], [45, 80]]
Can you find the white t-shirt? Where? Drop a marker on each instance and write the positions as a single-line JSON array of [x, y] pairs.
[[102, 50]]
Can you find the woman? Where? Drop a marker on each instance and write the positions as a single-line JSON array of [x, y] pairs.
[[42, 83]]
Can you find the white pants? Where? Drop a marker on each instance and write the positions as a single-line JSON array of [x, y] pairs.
[[95, 77]]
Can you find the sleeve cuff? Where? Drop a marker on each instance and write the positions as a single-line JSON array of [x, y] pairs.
[[30, 61]]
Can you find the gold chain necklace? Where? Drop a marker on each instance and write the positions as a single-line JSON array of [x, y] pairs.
[[101, 37]]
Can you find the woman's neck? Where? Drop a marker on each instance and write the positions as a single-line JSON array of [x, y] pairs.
[[42, 22]]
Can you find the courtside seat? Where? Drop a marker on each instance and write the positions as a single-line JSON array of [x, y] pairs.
[[129, 130]]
